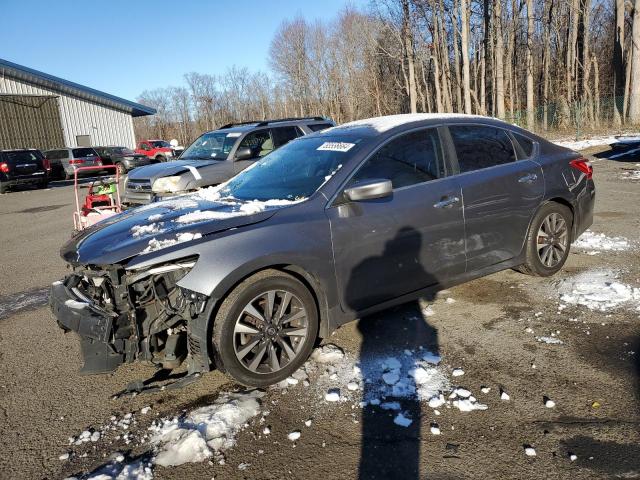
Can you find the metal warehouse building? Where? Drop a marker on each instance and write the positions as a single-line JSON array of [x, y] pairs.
[[41, 111]]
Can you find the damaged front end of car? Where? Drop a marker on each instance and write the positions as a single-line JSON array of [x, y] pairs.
[[123, 315]]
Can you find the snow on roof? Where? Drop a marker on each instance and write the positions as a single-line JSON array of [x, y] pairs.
[[383, 124]]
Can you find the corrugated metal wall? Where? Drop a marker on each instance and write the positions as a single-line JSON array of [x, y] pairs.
[[29, 121], [80, 117]]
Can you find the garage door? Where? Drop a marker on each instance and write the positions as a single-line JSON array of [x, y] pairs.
[[30, 121]]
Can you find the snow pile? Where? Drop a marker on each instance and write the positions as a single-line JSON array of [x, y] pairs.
[[155, 244], [150, 229], [205, 431], [599, 241], [327, 354], [598, 290], [634, 175], [240, 209]]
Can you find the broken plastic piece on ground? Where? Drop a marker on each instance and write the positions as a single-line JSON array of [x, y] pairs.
[[152, 384]]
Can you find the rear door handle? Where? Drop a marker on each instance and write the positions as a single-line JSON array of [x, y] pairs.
[[528, 178], [446, 202]]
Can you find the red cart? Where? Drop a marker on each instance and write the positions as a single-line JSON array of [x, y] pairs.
[[102, 199]]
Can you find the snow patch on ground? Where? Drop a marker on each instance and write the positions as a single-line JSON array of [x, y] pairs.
[[588, 143], [598, 290], [550, 340], [599, 241], [634, 175]]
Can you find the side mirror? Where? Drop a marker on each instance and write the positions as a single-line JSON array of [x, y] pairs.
[[244, 153], [376, 188]]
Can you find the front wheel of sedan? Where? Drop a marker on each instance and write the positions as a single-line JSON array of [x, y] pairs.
[[265, 329], [548, 240]]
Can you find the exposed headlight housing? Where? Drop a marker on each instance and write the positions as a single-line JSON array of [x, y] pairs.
[[167, 184]]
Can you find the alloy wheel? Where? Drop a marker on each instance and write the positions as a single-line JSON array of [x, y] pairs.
[[552, 240], [270, 331]]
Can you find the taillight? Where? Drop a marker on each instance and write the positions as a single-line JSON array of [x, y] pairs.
[[4, 167], [76, 161], [583, 165], [46, 164]]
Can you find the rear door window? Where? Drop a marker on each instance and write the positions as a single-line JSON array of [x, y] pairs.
[[479, 147], [407, 160], [259, 142], [282, 135], [84, 152]]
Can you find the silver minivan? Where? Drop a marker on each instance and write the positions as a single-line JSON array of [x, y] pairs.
[[64, 161]]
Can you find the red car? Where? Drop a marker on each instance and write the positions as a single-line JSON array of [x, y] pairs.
[[156, 150]]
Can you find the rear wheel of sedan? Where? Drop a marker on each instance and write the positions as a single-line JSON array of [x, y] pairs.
[[265, 329], [3, 187], [548, 240]]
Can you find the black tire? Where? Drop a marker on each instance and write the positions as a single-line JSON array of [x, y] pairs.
[[43, 184], [533, 263], [161, 158], [122, 170], [3, 187], [223, 336]]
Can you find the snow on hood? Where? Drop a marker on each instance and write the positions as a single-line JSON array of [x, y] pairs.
[[163, 224]]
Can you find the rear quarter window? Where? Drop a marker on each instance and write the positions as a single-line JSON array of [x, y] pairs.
[[316, 127], [526, 145]]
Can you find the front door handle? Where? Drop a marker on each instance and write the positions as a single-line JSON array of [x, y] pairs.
[[528, 178], [446, 202]]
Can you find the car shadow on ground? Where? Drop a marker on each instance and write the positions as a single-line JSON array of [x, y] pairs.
[[621, 153], [389, 450]]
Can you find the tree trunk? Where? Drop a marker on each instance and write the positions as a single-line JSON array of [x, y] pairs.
[[464, 41], [618, 61], [530, 105], [634, 87], [548, 7], [407, 40], [596, 88], [499, 54]]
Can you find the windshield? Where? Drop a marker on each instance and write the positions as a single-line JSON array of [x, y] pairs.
[[211, 146], [160, 144], [292, 172]]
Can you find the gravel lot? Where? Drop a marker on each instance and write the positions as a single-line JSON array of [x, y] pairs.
[[494, 329]]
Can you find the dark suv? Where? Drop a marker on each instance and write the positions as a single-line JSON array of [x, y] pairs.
[[123, 158], [330, 227], [216, 156], [20, 167]]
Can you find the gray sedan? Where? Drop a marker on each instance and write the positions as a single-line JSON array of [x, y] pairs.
[[332, 226]]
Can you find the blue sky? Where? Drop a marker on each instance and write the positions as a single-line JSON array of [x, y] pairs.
[[126, 46]]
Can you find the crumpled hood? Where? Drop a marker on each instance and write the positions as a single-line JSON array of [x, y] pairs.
[[166, 169], [161, 225]]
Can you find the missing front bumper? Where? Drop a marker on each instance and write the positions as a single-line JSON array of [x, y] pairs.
[[92, 325]]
